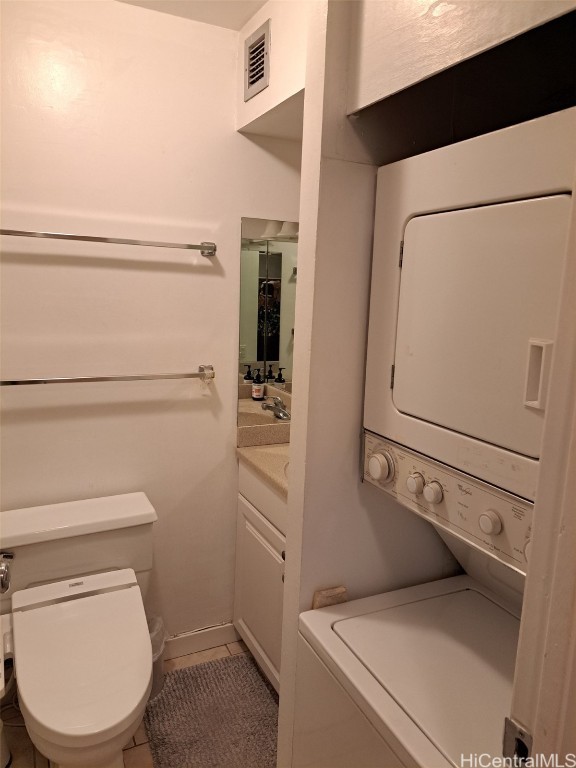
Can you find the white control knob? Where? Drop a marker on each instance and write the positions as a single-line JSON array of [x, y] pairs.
[[433, 492], [381, 467], [415, 483], [490, 522]]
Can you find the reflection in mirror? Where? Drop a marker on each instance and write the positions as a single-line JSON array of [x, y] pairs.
[[267, 300]]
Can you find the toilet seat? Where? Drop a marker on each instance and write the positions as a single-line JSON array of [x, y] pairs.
[[83, 657]]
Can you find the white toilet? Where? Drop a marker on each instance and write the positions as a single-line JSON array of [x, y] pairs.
[[82, 650]]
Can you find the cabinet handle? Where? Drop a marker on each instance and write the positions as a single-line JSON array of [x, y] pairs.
[[282, 578], [283, 554]]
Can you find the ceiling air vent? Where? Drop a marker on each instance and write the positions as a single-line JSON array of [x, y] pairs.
[[257, 61]]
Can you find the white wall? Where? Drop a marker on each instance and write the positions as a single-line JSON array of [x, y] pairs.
[[396, 43], [288, 35], [340, 530], [120, 121], [544, 694]]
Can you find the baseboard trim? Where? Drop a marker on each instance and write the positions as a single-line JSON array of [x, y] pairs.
[[200, 640]]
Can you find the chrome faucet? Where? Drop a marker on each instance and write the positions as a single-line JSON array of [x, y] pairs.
[[277, 407]]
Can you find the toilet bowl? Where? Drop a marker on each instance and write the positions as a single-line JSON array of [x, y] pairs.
[[83, 666], [6, 683], [74, 577]]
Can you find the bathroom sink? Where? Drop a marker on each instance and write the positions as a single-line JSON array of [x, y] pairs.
[[250, 414], [259, 427]]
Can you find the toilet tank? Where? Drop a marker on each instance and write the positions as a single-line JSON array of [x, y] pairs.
[[76, 538]]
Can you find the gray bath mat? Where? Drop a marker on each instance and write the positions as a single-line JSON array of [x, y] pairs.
[[221, 714]]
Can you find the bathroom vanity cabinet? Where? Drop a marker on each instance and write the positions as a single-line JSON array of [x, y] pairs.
[[259, 587], [259, 584]]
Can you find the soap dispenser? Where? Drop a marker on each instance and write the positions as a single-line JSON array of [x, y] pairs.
[[257, 386], [280, 381], [270, 374], [248, 375]]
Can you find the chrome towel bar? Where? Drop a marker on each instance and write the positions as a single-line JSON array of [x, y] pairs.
[[205, 372], [206, 248]]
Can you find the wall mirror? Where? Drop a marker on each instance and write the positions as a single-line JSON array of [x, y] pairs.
[[268, 274]]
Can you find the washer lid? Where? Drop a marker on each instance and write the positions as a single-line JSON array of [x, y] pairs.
[[83, 666], [448, 661]]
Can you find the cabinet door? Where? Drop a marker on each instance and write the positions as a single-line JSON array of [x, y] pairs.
[[259, 587]]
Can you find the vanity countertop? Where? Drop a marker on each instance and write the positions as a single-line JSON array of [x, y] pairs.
[[270, 462]]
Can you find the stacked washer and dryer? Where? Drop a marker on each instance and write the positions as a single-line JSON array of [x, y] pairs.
[[469, 251]]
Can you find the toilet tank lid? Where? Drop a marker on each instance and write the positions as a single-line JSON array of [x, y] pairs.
[[33, 525]]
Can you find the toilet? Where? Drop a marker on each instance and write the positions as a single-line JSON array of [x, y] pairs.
[[82, 651]]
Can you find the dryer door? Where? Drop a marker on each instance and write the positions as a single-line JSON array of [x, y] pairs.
[[477, 317]]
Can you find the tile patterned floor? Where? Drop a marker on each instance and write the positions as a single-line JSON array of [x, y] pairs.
[[137, 754]]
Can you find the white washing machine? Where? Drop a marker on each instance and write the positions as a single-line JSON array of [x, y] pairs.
[[469, 252], [420, 676], [415, 677]]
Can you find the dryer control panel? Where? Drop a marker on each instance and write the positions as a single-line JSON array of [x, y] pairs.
[[483, 515]]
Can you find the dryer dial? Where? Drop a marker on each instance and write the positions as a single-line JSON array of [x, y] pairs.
[[433, 492], [486, 517], [490, 522], [415, 483], [381, 467]]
